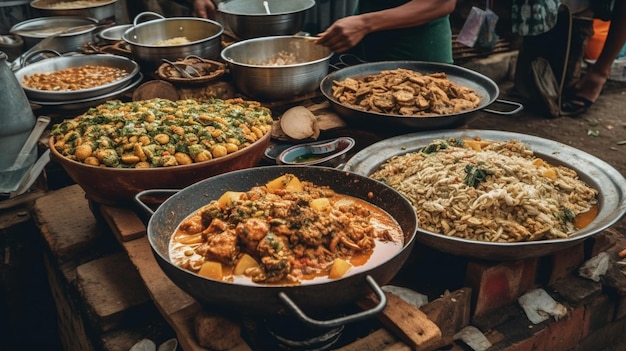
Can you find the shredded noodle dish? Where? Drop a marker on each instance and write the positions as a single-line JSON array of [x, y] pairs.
[[494, 191]]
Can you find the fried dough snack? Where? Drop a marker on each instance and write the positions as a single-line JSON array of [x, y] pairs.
[[405, 92]]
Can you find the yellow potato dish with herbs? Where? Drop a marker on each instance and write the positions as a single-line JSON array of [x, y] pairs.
[[160, 132]]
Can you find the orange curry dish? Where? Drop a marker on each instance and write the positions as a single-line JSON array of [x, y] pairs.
[[74, 78], [284, 232]]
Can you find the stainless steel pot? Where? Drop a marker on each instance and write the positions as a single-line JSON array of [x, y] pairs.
[[63, 62], [486, 88], [249, 19], [99, 9], [595, 172], [246, 61], [204, 38], [34, 30], [271, 300]]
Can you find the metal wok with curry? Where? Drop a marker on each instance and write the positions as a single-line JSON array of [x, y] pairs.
[[342, 232], [285, 232]]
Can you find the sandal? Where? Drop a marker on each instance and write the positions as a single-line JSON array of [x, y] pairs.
[[575, 105]]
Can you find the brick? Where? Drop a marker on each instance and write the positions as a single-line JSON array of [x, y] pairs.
[[168, 297], [610, 337], [599, 312], [620, 309], [565, 333], [535, 342], [68, 226], [566, 261], [614, 279], [112, 291], [123, 339], [603, 241], [72, 331], [451, 312], [521, 335], [124, 222], [380, 339], [498, 316], [499, 284], [576, 290]]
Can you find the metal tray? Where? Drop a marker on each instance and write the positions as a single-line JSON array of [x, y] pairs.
[[84, 104], [62, 62], [595, 172]]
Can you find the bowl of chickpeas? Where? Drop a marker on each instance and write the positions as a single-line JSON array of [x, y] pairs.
[[118, 149]]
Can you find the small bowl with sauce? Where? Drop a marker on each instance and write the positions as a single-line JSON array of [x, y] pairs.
[[329, 153]]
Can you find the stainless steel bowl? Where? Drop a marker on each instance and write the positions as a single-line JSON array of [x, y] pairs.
[[326, 153], [114, 34], [246, 61], [203, 35], [63, 62], [595, 172], [35, 30], [98, 9], [248, 19]]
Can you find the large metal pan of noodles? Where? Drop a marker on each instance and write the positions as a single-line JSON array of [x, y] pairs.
[[486, 89], [610, 184]]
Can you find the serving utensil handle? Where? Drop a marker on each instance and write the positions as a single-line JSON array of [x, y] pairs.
[[340, 320], [151, 192], [517, 105]]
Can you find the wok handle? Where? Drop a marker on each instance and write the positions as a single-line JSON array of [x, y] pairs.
[[142, 205], [518, 108], [341, 320]]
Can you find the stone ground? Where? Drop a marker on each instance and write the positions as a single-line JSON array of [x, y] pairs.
[[601, 131]]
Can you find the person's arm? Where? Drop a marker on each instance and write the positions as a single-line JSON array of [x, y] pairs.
[[204, 9], [346, 32]]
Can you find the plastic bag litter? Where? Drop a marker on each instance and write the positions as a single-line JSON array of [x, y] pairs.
[[471, 28], [479, 29]]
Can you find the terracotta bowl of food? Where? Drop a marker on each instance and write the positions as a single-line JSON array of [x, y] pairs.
[[107, 177]]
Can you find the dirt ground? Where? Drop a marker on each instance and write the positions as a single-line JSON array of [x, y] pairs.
[[601, 131]]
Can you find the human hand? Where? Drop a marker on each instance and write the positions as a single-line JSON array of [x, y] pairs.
[[344, 34], [204, 9]]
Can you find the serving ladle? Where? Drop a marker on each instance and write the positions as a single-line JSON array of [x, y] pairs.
[[267, 7]]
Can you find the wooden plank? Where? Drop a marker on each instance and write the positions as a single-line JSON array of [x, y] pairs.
[[177, 307], [124, 222], [407, 322], [379, 340]]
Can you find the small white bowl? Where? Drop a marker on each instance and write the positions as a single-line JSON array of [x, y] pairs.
[[328, 153]]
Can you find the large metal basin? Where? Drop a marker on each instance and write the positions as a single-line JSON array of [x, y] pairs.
[[100, 9], [248, 19], [595, 172], [204, 38], [482, 85], [246, 61], [35, 30], [63, 62]]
